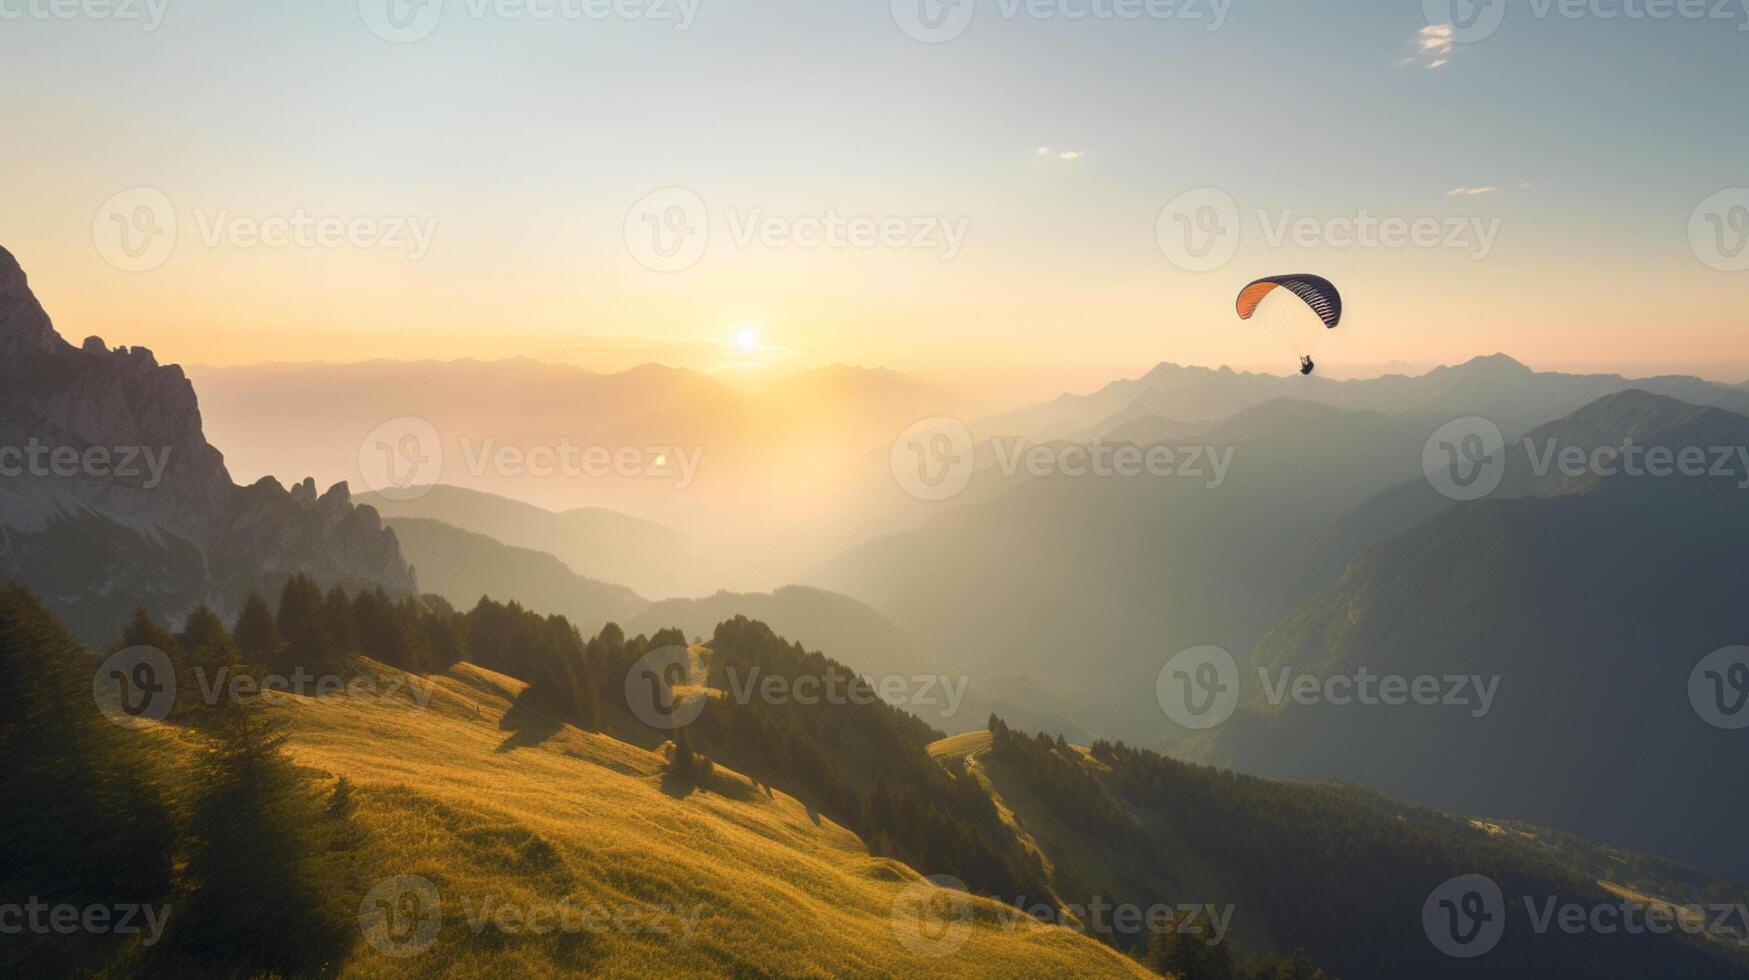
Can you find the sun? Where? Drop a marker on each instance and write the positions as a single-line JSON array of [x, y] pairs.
[[747, 339]]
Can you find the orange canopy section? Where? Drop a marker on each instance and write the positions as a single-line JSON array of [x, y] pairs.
[[1317, 292]]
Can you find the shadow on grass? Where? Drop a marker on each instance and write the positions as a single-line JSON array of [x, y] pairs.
[[528, 726], [727, 787]]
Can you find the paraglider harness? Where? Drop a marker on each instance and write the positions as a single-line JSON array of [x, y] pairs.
[[1306, 364]]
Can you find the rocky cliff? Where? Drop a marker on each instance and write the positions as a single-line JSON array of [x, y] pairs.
[[110, 495]]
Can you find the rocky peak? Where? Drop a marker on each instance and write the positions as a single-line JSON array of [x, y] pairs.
[[26, 335], [122, 399]]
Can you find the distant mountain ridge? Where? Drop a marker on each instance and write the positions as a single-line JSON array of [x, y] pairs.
[[1513, 395], [462, 566], [596, 543], [146, 512], [1632, 417]]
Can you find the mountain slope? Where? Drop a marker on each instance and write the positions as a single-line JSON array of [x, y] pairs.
[[462, 566], [1088, 584], [736, 880], [1630, 418], [599, 544], [856, 634], [1589, 609], [1339, 871], [869, 643]]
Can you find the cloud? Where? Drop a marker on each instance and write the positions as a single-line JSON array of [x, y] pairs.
[[1468, 191], [1045, 152], [1433, 47]]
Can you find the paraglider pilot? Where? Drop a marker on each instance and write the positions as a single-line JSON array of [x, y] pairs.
[[1306, 365]]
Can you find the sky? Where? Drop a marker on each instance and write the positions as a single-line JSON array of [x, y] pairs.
[[992, 191]]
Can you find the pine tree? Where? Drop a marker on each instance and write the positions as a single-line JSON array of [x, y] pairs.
[[337, 611], [216, 661], [81, 821], [1187, 949], [256, 634], [304, 631], [144, 631], [252, 898], [686, 765]]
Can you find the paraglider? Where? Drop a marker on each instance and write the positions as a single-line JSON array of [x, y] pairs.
[[1299, 323]]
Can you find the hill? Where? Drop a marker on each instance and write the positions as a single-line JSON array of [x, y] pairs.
[[442, 824], [1335, 870], [599, 544], [857, 634], [462, 566], [866, 641], [764, 885]]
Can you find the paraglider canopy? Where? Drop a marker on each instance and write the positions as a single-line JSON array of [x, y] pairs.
[[1300, 310], [1318, 293]]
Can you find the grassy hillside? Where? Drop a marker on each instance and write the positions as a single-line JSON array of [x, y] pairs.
[[522, 811], [497, 807]]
